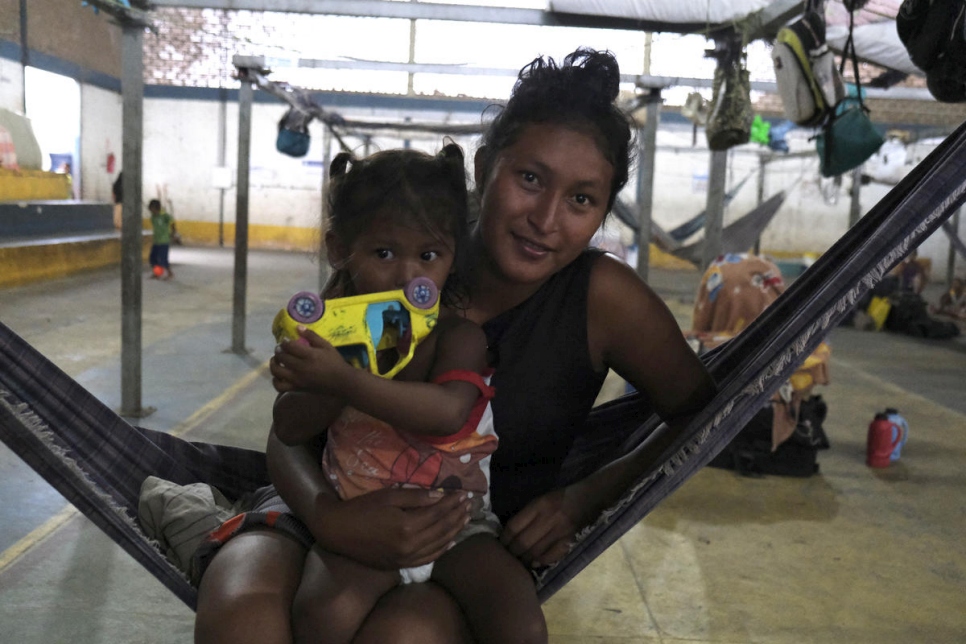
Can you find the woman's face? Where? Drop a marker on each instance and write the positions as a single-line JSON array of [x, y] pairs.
[[545, 197]]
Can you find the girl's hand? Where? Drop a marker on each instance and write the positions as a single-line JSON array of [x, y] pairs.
[[395, 528], [543, 531], [309, 363]]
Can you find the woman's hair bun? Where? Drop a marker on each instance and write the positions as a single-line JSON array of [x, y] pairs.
[[598, 73]]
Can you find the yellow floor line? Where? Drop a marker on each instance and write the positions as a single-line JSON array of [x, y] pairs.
[[215, 404], [40, 533], [51, 525]]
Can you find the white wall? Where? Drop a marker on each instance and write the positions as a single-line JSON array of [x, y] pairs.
[[815, 213], [805, 222], [181, 141], [181, 152], [11, 85], [100, 136]]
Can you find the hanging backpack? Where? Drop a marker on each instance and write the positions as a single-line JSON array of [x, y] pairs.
[[934, 34], [729, 123], [808, 82]]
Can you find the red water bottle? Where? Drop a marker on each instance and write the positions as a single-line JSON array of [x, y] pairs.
[[884, 437]]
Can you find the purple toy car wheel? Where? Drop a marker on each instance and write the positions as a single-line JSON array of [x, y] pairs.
[[422, 293], [305, 307]]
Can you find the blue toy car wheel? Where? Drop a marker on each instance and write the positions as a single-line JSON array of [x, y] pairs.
[[305, 307], [422, 293]]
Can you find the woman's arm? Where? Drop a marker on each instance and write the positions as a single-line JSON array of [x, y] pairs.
[[633, 332], [389, 529], [630, 330], [416, 407]]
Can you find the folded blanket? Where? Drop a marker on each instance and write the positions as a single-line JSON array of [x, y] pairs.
[[180, 517]]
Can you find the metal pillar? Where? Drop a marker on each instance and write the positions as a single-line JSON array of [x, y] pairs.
[[245, 97], [24, 56], [951, 263], [855, 206], [132, 93], [717, 173], [647, 148], [222, 154], [326, 165], [762, 164]]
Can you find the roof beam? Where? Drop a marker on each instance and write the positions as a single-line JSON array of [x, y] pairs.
[[436, 11], [409, 68], [766, 22], [641, 81]]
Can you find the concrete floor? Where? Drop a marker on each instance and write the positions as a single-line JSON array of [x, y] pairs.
[[852, 555]]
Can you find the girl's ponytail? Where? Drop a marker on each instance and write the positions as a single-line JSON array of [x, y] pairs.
[[452, 161], [339, 164]]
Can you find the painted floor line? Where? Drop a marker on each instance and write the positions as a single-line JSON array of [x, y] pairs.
[[205, 412], [892, 387], [35, 537], [51, 525]]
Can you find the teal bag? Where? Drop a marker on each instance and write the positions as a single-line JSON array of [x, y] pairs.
[[292, 143], [847, 140], [293, 133]]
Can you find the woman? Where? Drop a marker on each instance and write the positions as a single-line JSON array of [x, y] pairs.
[[557, 317]]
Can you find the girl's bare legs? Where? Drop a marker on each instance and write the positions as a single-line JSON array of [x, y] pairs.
[[415, 614], [494, 590], [247, 591], [335, 596]]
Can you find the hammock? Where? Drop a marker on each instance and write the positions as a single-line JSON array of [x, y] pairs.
[[696, 223], [740, 235], [98, 461], [736, 237], [670, 240], [673, 240]]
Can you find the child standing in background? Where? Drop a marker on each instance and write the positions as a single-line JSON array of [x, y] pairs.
[[162, 224]]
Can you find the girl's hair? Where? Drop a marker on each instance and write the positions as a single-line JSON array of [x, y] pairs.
[[413, 187], [580, 93]]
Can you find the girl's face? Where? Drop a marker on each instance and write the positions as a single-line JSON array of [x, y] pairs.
[[544, 199], [388, 255]]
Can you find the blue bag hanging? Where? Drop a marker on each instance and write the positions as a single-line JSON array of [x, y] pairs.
[[293, 133]]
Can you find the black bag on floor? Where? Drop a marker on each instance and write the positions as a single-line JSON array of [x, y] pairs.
[[909, 315], [749, 454]]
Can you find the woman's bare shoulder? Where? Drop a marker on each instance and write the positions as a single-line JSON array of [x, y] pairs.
[[614, 283]]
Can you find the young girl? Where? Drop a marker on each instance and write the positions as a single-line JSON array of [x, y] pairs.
[[395, 216]]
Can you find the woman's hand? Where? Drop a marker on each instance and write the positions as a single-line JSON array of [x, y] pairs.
[[390, 528], [394, 528], [543, 531]]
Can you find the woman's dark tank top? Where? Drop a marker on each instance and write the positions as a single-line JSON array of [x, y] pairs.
[[545, 385]]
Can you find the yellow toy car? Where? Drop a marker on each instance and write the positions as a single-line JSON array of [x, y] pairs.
[[364, 327]]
